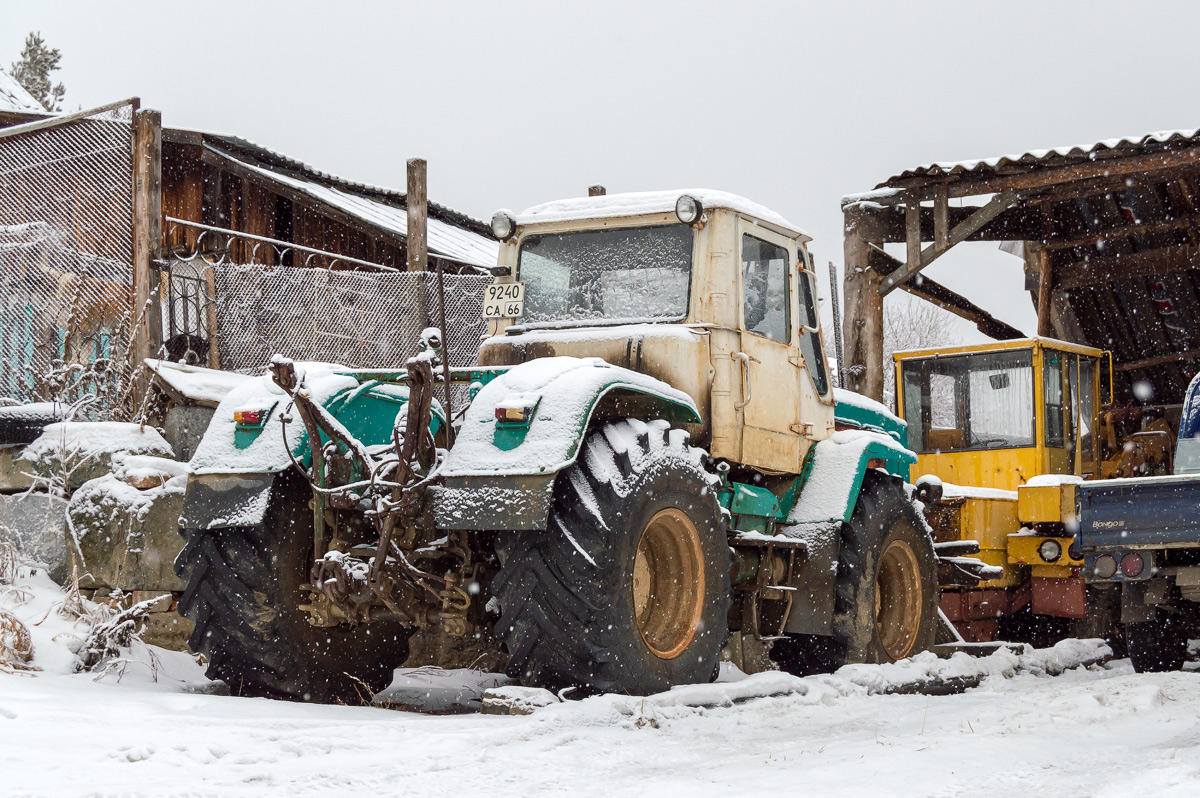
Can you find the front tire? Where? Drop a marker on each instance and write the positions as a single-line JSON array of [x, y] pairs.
[[628, 589], [243, 594]]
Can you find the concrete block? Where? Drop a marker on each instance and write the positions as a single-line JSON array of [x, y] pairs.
[[126, 538], [38, 523]]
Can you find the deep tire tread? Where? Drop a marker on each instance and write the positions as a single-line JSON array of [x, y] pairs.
[[248, 625], [555, 604]]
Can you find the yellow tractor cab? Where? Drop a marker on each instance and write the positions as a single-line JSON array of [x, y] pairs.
[[1000, 428]]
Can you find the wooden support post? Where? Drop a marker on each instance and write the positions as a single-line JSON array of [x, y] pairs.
[[1045, 286], [210, 318], [147, 240], [941, 219], [863, 326], [418, 215], [596, 191], [912, 234]]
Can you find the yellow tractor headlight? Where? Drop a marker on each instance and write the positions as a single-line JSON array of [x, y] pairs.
[[1050, 550]]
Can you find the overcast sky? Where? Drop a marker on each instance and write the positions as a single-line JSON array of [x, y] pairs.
[[513, 103]]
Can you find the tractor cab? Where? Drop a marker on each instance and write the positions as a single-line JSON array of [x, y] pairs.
[[997, 415], [1008, 427], [704, 290]]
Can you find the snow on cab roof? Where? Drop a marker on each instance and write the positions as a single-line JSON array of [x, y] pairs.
[[645, 202]]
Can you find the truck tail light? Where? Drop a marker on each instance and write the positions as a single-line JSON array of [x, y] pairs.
[[1105, 566], [1132, 565]]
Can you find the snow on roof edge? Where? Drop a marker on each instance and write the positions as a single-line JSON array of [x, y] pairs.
[[1033, 157], [14, 97]]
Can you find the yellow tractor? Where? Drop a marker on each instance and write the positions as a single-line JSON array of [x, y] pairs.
[[999, 429]]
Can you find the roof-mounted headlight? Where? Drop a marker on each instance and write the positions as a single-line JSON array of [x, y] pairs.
[[504, 226], [689, 209]]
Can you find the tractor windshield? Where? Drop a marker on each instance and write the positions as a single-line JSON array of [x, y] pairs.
[[959, 402], [631, 274]]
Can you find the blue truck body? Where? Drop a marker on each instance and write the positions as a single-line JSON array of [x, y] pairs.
[[1144, 534]]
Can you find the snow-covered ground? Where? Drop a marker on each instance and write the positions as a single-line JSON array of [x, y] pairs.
[[1088, 732]]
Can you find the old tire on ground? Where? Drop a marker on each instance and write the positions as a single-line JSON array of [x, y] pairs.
[[886, 601], [23, 424], [628, 589], [243, 594], [1159, 645]]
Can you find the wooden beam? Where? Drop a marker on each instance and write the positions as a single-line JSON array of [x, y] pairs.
[[1019, 223], [1183, 198], [1094, 270], [998, 204], [1158, 360], [863, 324], [147, 238], [416, 200], [947, 300], [1124, 231]]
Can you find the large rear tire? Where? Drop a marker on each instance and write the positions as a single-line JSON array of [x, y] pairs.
[[243, 594], [886, 601], [628, 589], [1157, 646]]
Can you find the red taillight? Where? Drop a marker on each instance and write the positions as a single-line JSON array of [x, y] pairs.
[[248, 417], [508, 414], [514, 415], [1105, 566], [1132, 565]]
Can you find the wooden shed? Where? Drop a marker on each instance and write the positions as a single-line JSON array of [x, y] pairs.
[[1110, 234], [229, 183]]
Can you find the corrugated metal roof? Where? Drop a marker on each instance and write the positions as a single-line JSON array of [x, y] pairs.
[[444, 240], [1056, 156], [13, 97]]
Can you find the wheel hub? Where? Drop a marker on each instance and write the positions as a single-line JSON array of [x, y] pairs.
[[668, 583], [898, 599]]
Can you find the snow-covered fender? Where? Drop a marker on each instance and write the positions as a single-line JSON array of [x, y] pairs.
[[828, 492], [528, 424], [236, 463]]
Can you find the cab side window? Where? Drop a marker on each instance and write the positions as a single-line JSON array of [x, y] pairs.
[[810, 338], [765, 297]]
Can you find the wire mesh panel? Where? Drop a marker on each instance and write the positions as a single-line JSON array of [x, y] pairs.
[[66, 272], [359, 319]]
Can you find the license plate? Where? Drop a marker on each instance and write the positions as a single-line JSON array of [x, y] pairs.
[[504, 301]]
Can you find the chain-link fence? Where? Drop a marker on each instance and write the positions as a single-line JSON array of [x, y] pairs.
[[66, 273], [359, 319]]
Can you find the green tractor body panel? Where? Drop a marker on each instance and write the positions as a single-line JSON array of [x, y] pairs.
[[235, 464], [858, 412], [834, 474], [526, 425]]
